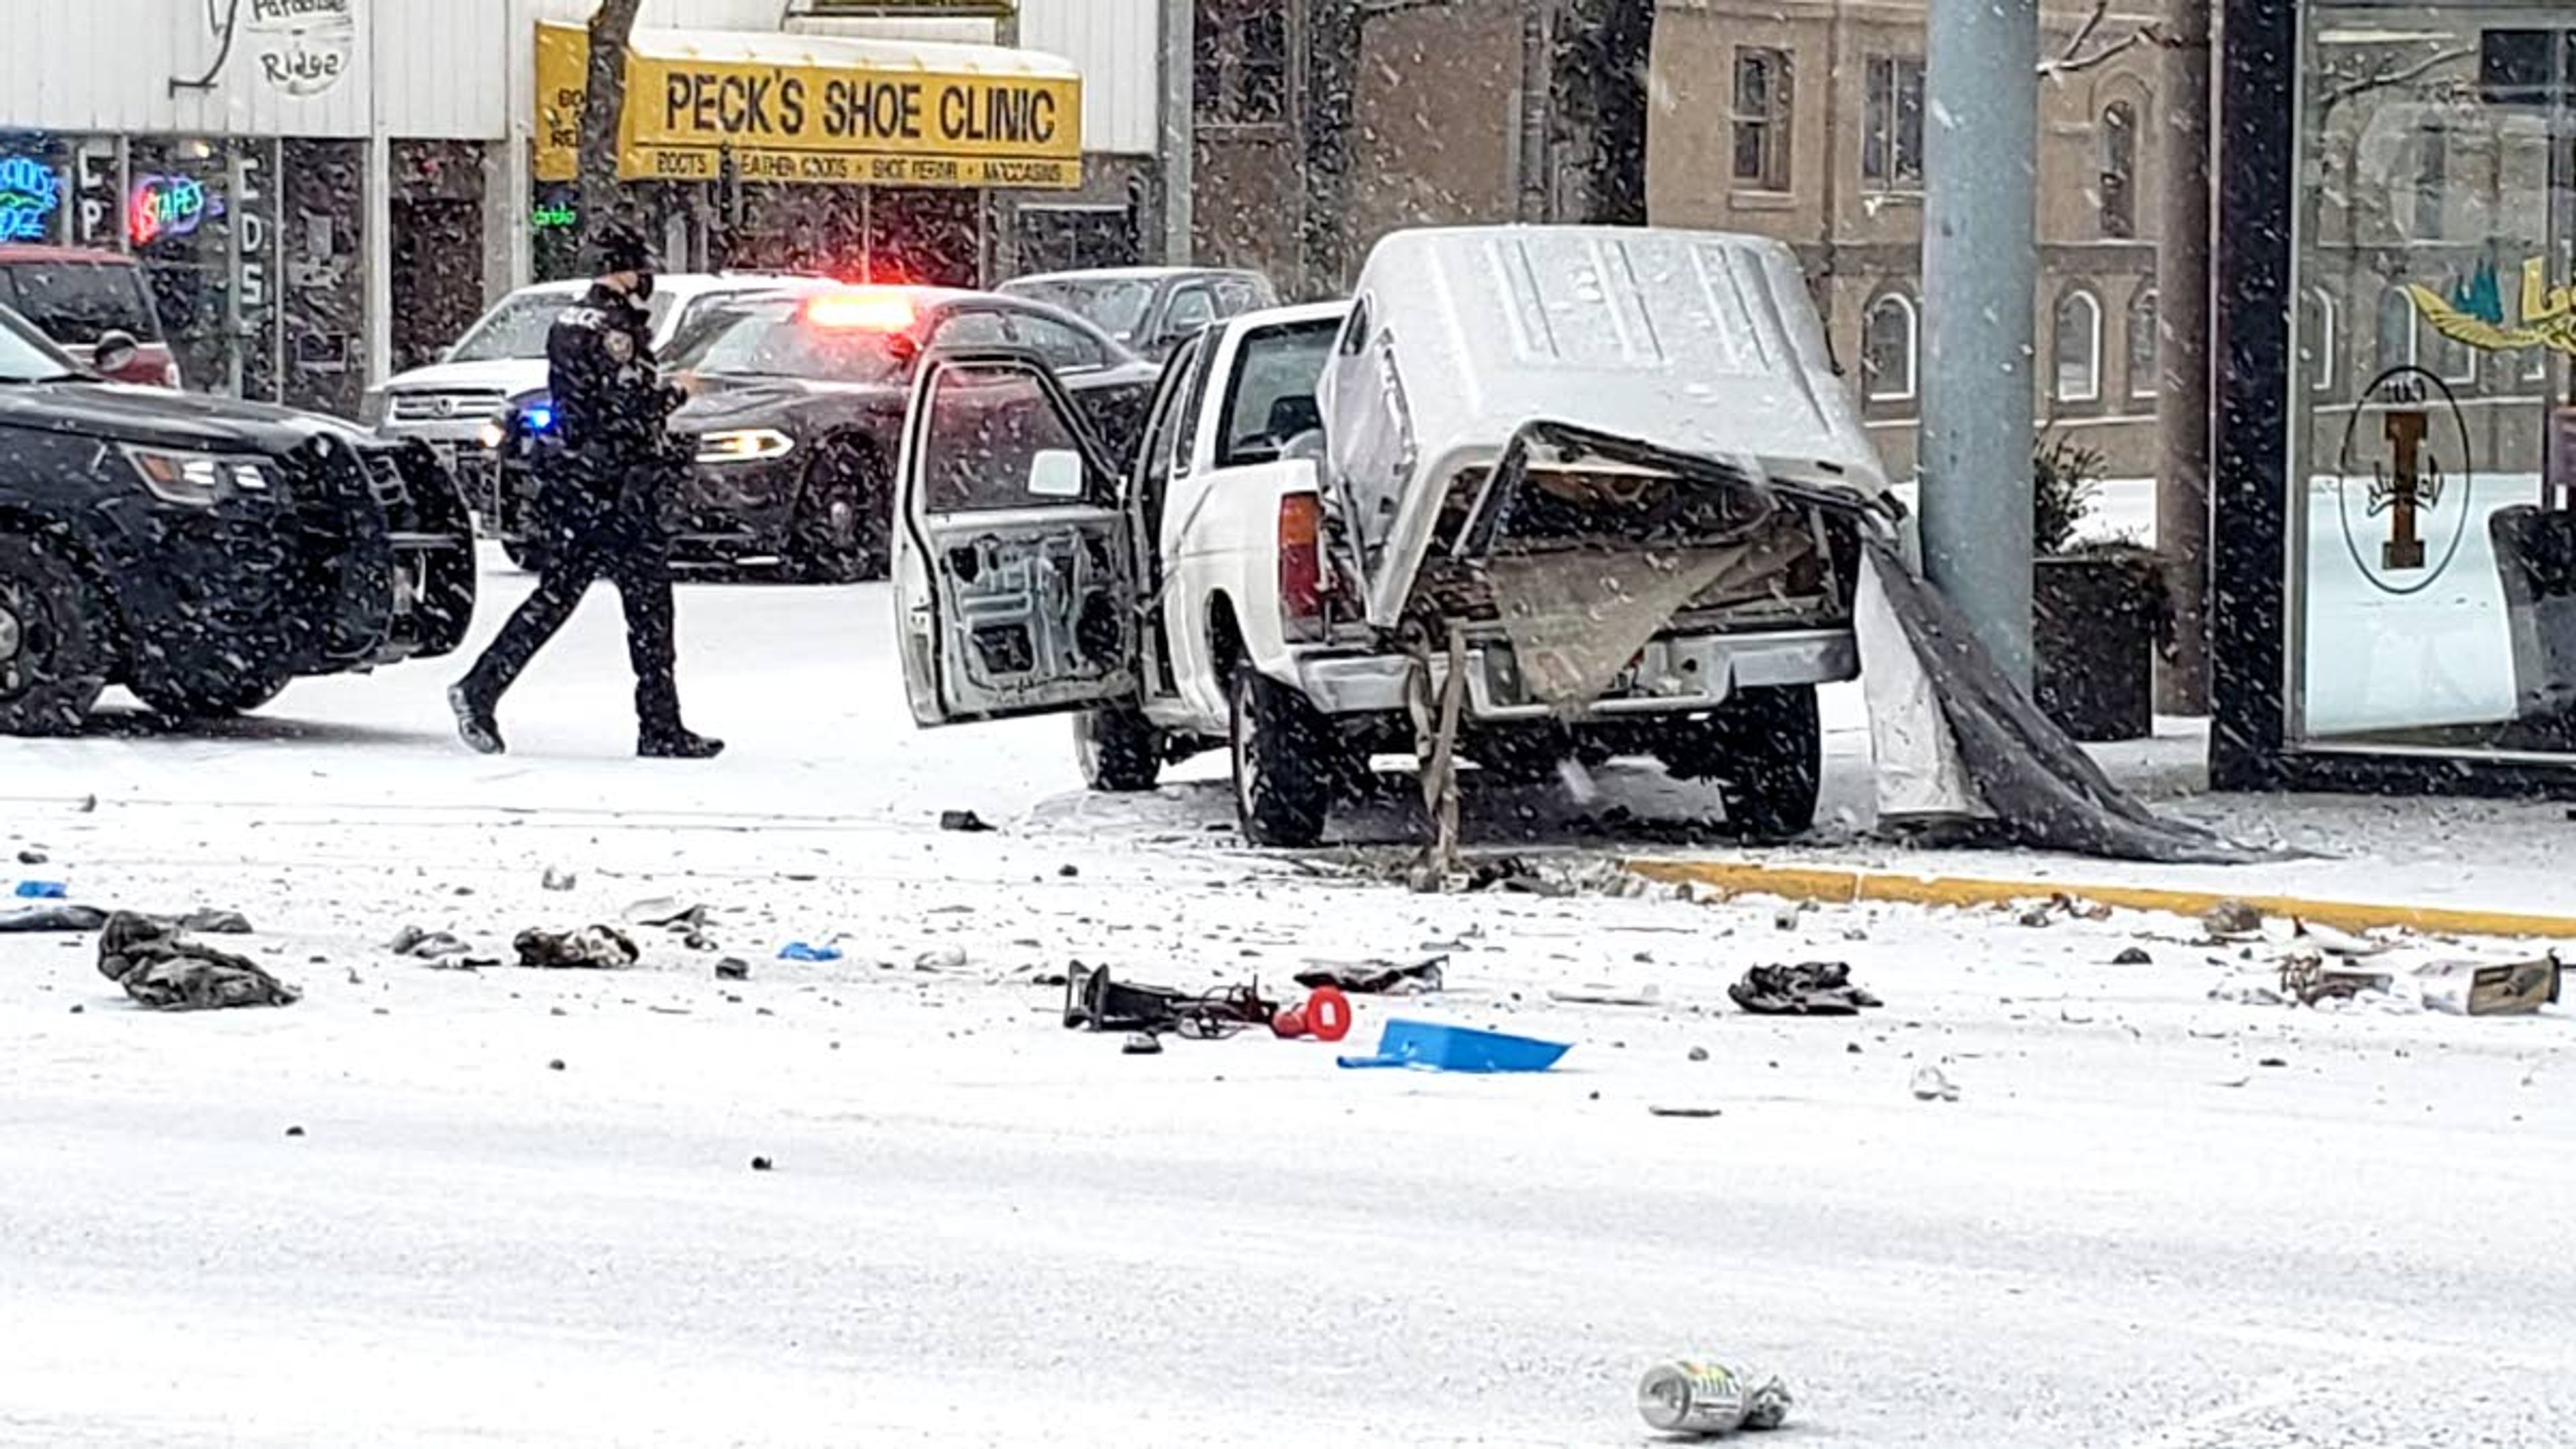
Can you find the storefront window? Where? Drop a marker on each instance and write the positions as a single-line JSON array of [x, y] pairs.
[[2431, 571]]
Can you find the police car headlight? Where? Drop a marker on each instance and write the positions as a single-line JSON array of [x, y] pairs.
[[491, 435], [744, 445], [199, 480]]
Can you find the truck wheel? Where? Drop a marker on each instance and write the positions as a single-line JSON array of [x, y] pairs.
[[1765, 750], [1120, 750], [1285, 759], [836, 529], [196, 699], [53, 646]]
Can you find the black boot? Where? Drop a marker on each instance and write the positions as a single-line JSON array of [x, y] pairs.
[[474, 722], [678, 744]]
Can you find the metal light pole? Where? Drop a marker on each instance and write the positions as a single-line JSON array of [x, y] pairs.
[[1179, 141], [1980, 271]]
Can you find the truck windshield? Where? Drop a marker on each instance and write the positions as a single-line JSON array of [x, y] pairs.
[[517, 328], [1272, 396], [74, 303], [1116, 306]]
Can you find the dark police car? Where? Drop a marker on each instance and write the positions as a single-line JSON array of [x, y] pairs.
[[799, 409], [205, 552]]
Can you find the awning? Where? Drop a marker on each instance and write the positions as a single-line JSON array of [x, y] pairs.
[[831, 110]]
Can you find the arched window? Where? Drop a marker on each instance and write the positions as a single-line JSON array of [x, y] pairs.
[[1887, 348], [2143, 341], [2119, 170], [2396, 328], [2078, 347], [2319, 329]]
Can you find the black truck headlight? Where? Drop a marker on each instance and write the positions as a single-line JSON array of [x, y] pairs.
[[197, 480], [744, 445]]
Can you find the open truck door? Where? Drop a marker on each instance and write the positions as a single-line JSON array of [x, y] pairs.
[[1014, 564]]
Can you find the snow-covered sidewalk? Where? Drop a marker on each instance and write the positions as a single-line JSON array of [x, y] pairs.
[[2150, 1219]]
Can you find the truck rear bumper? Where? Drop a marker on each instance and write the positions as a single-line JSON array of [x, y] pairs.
[[1673, 676]]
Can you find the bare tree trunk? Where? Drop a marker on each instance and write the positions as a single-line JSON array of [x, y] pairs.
[[603, 107], [2183, 403], [1599, 97]]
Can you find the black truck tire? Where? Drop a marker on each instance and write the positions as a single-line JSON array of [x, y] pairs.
[[1120, 750], [1765, 749], [1285, 762], [196, 699], [53, 641], [838, 534]]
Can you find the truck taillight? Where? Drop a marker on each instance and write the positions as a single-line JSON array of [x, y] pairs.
[[1301, 566]]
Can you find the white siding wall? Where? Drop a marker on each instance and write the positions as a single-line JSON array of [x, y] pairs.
[[1116, 45]]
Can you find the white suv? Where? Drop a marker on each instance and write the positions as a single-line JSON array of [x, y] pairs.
[[449, 403]]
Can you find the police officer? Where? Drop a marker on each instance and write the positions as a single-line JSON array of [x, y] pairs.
[[599, 507]]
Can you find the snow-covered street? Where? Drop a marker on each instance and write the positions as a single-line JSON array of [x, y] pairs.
[[2151, 1219]]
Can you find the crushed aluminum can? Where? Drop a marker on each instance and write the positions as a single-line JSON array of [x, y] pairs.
[[1688, 1396]]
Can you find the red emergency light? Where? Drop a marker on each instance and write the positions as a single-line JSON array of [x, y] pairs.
[[877, 311]]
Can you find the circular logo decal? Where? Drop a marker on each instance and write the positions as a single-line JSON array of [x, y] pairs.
[[2404, 481]]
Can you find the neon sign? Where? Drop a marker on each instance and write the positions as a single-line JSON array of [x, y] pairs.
[[30, 193], [554, 218], [168, 206]]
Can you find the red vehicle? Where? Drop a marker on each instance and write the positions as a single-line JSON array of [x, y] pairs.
[[93, 305]]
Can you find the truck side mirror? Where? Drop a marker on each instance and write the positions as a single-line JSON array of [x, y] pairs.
[[115, 352]]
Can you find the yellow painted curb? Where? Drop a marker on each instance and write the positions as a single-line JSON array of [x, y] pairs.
[[1842, 884]]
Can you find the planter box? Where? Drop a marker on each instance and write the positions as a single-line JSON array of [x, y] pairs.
[[2094, 621]]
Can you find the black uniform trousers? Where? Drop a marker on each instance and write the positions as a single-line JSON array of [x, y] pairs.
[[591, 523]]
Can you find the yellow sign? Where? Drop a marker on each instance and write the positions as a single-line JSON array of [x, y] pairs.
[[2547, 315], [825, 124]]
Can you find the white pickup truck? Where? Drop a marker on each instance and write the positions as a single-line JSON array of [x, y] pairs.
[[1610, 472]]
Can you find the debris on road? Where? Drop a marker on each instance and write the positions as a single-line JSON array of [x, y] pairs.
[[1376, 978], [941, 958], [2472, 988], [211, 923], [1684, 1111], [800, 951], [2133, 956], [32, 919], [1326, 1017], [733, 968], [427, 945], [1602, 994], [963, 820], [1430, 1046], [559, 880], [667, 914], [592, 948], [2230, 919], [2333, 942], [167, 970], [761, 1164], [1142, 1044], [42, 890], [1810, 988], [32, 856], [1703, 1398], [1931, 1084], [1698, 1054], [1095, 1000]]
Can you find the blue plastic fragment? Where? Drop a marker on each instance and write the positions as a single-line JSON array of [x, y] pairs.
[[799, 951], [1431, 1047], [42, 890]]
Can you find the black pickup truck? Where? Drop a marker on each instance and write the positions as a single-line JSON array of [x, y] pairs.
[[205, 552]]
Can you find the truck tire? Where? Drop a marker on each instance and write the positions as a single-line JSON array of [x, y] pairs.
[[1764, 748], [837, 536], [53, 641], [200, 699], [1285, 762], [1120, 750]]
